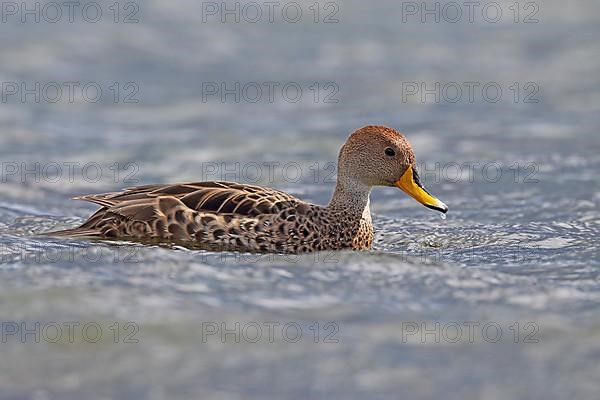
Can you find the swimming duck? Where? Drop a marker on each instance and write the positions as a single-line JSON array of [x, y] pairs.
[[236, 216]]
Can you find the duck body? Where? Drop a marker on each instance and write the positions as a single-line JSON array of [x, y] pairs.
[[241, 217], [225, 216]]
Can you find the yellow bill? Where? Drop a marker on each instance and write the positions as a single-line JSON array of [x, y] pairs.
[[410, 183]]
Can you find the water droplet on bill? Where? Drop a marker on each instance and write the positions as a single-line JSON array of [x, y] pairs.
[[442, 216]]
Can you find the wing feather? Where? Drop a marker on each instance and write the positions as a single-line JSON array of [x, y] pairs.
[[211, 197]]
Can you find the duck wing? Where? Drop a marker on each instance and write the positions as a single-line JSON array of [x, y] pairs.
[[207, 197], [170, 210]]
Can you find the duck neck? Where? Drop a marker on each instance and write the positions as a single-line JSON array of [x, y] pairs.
[[352, 198]]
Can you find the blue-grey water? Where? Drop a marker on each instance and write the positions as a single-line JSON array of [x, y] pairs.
[[499, 300]]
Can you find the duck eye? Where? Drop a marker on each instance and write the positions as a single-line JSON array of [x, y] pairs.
[[390, 152]]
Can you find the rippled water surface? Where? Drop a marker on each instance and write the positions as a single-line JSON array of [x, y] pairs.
[[499, 300]]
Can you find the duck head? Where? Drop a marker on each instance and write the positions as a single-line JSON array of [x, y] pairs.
[[381, 156]]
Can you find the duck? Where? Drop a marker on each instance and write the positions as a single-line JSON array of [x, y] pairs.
[[231, 216]]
